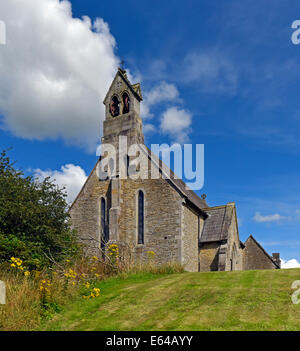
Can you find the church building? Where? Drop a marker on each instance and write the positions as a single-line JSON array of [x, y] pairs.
[[160, 215]]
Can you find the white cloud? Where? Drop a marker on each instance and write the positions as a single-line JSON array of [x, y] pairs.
[[160, 93], [270, 218], [293, 263], [55, 71], [149, 128], [212, 71], [70, 176], [176, 122]]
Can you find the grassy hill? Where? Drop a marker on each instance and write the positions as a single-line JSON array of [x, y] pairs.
[[250, 300]]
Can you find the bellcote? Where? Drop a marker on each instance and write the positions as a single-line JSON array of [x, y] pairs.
[[122, 111], [122, 97]]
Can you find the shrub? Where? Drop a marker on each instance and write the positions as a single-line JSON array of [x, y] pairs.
[[34, 222]]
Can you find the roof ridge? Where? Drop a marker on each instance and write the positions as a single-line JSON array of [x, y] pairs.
[[214, 207]]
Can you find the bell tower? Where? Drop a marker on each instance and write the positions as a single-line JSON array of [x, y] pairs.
[[122, 112], [122, 119]]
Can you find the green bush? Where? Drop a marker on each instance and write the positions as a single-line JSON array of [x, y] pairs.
[[34, 222]]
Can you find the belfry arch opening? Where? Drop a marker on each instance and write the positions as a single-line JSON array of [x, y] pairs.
[[114, 107], [126, 103]]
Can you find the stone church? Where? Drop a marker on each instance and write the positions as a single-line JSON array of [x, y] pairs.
[[160, 215]]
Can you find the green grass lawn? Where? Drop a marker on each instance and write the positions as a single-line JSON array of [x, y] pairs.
[[249, 300]]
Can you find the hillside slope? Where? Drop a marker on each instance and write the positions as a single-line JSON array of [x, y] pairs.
[[250, 300]]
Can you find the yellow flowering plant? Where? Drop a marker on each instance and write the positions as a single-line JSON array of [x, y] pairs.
[[95, 292], [71, 276], [17, 264], [113, 252], [45, 290]]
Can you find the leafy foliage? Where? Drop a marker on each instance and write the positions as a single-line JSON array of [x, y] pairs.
[[34, 222]]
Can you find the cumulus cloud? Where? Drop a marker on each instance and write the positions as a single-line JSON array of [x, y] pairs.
[[270, 218], [176, 122], [70, 176], [293, 263], [162, 92], [55, 71]]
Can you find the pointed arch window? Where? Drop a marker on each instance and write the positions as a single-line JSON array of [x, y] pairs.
[[104, 236], [141, 218]]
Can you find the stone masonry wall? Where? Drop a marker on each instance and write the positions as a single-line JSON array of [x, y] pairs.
[[254, 257], [164, 216], [190, 230], [85, 212], [209, 257], [233, 242], [162, 219]]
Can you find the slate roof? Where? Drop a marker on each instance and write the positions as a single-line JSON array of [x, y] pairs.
[[217, 223], [190, 194]]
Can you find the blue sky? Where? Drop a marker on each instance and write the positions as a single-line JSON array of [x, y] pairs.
[[229, 68]]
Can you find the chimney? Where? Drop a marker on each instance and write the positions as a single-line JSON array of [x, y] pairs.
[[276, 258]]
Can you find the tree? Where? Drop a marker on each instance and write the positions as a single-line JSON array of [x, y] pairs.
[[34, 221]]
